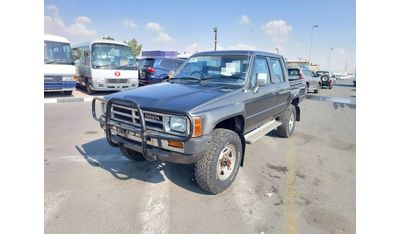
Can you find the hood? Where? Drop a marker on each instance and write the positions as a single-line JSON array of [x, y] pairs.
[[181, 97]]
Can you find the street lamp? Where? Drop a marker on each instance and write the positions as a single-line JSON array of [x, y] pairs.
[[312, 31], [277, 50], [215, 40]]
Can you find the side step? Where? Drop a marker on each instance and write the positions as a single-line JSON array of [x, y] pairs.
[[259, 132]]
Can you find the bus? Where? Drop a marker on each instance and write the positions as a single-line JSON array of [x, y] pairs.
[[59, 69], [105, 65]]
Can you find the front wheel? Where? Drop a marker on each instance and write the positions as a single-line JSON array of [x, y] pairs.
[[217, 170], [288, 119], [89, 89], [68, 93]]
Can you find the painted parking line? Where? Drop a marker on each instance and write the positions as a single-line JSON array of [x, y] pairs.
[[335, 100], [69, 99]]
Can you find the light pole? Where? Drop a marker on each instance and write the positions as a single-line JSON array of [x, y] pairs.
[[312, 31], [277, 50], [215, 40], [329, 59]]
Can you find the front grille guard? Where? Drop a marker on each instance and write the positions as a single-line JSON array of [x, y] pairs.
[[144, 134]]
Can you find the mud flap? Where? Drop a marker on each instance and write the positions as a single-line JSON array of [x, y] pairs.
[[297, 113]]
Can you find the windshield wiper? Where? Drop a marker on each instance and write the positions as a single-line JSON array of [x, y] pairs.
[[186, 78], [47, 61], [127, 65], [233, 77], [105, 65]]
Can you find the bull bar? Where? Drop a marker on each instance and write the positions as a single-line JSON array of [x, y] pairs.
[[142, 131]]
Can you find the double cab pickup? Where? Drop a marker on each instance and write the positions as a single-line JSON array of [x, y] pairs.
[[216, 103]]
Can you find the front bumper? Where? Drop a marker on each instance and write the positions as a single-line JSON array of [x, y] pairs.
[[113, 87], [59, 86], [153, 145]]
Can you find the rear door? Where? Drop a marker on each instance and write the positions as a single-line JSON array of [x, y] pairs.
[[311, 79], [87, 68], [259, 104], [280, 85]]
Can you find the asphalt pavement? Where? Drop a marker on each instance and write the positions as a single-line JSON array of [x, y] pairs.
[[304, 184]]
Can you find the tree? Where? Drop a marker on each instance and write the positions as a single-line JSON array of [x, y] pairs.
[[136, 48]]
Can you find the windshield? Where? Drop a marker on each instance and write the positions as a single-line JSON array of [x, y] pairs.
[[218, 68], [149, 62], [112, 56], [57, 53]]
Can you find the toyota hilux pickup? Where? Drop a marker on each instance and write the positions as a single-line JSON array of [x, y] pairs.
[[215, 104]]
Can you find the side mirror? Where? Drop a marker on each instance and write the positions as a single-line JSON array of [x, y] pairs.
[[262, 79]]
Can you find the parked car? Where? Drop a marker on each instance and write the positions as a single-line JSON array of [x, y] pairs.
[[327, 79], [217, 102], [303, 73], [156, 70]]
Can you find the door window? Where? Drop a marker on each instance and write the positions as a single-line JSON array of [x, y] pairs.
[[260, 66]]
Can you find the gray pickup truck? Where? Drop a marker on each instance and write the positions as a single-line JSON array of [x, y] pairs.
[[216, 103]]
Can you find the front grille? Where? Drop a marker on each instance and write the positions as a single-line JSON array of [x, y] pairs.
[[130, 116], [116, 81]]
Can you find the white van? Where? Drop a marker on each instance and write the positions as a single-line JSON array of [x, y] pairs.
[[59, 67], [105, 65]]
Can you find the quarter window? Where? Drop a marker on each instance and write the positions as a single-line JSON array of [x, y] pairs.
[[277, 72]]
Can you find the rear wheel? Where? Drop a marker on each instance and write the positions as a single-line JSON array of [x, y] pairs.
[[131, 154], [217, 170], [288, 119]]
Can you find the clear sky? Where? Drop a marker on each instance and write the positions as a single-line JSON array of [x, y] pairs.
[[188, 25]]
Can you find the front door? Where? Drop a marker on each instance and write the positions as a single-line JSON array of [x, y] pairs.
[[259, 104]]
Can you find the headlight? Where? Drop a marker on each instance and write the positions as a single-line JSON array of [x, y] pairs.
[[67, 78], [177, 124]]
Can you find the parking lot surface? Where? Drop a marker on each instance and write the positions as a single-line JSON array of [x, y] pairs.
[[304, 184]]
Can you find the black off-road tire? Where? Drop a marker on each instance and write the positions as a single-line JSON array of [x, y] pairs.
[[131, 154], [89, 90], [68, 93], [285, 130], [205, 170]]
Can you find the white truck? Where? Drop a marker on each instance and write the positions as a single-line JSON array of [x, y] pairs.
[[105, 65], [58, 65]]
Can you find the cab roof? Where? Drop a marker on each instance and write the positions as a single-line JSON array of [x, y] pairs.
[[51, 37], [90, 43], [238, 52]]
